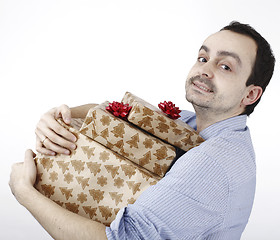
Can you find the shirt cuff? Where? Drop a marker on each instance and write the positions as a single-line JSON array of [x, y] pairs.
[[116, 229]]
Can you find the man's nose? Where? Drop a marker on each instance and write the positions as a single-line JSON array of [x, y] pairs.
[[206, 70]]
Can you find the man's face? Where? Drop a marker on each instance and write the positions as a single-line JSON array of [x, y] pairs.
[[217, 81]]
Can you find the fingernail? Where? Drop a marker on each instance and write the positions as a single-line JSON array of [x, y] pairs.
[[67, 152], [73, 146], [74, 139]]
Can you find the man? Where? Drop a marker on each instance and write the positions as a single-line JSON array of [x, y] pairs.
[[208, 193]]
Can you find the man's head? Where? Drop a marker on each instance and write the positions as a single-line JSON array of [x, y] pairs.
[[264, 63], [229, 78]]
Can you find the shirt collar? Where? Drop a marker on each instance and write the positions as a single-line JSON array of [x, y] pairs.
[[237, 123]]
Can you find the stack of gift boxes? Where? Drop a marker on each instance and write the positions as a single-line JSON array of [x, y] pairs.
[[119, 155]]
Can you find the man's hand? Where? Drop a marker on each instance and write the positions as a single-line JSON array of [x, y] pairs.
[[51, 137], [23, 176], [58, 222]]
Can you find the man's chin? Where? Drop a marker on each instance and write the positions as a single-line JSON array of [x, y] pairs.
[[196, 103]]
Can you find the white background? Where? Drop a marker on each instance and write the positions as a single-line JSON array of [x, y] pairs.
[[76, 52]]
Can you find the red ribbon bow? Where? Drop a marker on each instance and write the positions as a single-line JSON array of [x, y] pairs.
[[170, 109], [119, 109]]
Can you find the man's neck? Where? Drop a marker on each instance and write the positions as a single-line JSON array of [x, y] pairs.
[[205, 118]]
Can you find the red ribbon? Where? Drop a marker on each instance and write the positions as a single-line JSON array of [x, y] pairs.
[[119, 109], [170, 109]]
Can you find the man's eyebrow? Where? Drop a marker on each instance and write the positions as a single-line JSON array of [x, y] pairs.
[[206, 49], [230, 54], [223, 53]]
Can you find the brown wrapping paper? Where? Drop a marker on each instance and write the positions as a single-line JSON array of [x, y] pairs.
[[154, 121], [128, 140], [93, 181]]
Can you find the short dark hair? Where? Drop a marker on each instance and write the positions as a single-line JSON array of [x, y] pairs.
[[263, 68]]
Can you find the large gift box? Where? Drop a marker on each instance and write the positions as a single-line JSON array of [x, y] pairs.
[[156, 122], [127, 140], [93, 181]]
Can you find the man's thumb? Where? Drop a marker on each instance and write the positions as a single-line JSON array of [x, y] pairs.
[[66, 114], [29, 165]]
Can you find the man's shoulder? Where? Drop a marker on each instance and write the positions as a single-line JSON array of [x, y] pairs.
[[228, 143], [185, 114], [188, 117], [233, 151]]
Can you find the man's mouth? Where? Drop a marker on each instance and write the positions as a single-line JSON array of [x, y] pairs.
[[202, 86]]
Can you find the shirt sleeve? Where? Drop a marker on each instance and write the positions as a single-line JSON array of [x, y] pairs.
[[188, 202]]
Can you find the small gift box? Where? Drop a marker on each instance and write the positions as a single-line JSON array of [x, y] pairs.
[[93, 181], [127, 140], [158, 123]]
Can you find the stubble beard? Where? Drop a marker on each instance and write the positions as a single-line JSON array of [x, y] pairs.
[[197, 103], [207, 107], [212, 106]]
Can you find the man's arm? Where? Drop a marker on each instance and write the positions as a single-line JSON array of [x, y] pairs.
[[188, 203], [58, 222]]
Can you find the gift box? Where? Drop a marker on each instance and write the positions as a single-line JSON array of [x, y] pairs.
[[115, 160], [93, 181], [159, 124], [128, 140]]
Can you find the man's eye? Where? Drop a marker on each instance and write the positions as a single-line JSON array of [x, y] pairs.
[[202, 59], [225, 67]]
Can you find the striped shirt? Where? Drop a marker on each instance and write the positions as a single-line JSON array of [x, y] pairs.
[[207, 194]]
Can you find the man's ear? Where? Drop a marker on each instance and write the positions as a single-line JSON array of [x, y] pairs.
[[253, 94]]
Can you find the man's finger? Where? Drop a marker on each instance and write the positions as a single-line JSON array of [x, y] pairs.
[[45, 151], [30, 167], [29, 156], [56, 148], [65, 113], [54, 129], [29, 162]]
